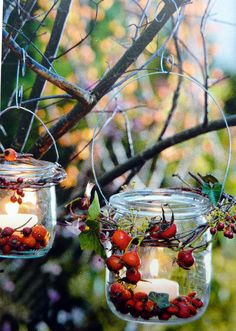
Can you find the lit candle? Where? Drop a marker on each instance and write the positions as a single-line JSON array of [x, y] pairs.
[[16, 221], [158, 285]]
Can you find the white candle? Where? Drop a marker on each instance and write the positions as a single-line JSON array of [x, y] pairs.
[[18, 221], [159, 285]]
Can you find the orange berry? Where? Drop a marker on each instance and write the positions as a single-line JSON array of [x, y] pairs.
[[29, 241], [10, 154], [39, 232]]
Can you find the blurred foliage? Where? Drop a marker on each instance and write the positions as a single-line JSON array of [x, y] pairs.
[[65, 290]]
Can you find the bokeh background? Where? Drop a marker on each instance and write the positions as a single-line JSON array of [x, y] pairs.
[[65, 290]]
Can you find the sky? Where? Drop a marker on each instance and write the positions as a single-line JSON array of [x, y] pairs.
[[226, 34]]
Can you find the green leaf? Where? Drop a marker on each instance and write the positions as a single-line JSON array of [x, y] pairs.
[[209, 179], [90, 239], [213, 192], [161, 299], [94, 209]]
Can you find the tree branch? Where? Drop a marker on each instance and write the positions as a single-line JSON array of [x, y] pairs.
[[26, 120], [140, 159], [75, 91], [81, 108]]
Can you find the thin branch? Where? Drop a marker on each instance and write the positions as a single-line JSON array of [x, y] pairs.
[[81, 108], [75, 91], [140, 159], [206, 74], [82, 39]]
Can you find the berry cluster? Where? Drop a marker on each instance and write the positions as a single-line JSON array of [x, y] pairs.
[[139, 304], [15, 186], [28, 238], [130, 260], [228, 226]]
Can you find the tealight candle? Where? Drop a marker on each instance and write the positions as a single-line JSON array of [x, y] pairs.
[[159, 285]]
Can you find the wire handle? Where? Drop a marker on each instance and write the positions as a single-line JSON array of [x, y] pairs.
[[39, 119], [221, 112]]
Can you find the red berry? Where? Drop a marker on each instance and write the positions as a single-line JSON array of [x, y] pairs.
[[213, 231], [39, 232], [121, 239], [149, 306], [192, 294], [228, 233], [172, 309], [29, 241], [146, 315], [10, 154], [19, 200], [197, 302], [3, 241], [130, 305], [114, 263], [126, 295], [139, 306], [140, 296], [164, 316], [154, 232], [13, 199], [131, 259], [117, 290], [192, 309], [19, 191], [220, 226], [185, 259], [14, 241], [133, 276], [20, 180], [183, 311], [7, 231], [168, 232], [6, 249], [26, 231]]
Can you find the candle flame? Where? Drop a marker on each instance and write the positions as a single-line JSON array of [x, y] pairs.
[[154, 267], [11, 208]]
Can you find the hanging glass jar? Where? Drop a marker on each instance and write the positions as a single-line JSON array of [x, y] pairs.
[[27, 205], [155, 274]]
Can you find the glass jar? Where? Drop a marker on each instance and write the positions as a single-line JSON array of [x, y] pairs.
[[27, 206], [172, 293]]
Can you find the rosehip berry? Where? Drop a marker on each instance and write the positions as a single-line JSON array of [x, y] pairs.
[[172, 309], [14, 241], [131, 259], [154, 232], [121, 239], [39, 232], [126, 295], [197, 302], [130, 305], [213, 231], [20, 180], [19, 200], [185, 259], [116, 290], [220, 226], [26, 231], [10, 154], [114, 263], [13, 199], [7, 231], [19, 191], [140, 296], [192, 294], [227, 233], [192, 309], [164, 316], [29, 241], [3, 241], [183, 311], [6, 249], [146, 315], [139, 306], [149, 306], [133, 276], [169, 232]]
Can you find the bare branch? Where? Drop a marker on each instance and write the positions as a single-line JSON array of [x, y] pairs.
[[75, 91], [140, 159], [81, 108]]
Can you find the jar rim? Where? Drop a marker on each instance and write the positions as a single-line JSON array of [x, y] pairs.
[[147, 202], [34, 171]]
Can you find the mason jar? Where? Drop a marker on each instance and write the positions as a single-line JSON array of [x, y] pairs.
[[27, 206], [168, 292]]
